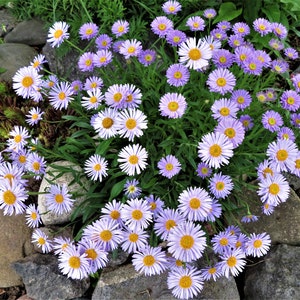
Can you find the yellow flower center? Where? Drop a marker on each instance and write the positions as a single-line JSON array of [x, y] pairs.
[[185, 282], [153, 205], [133, 159], [162, 27], [35, 116], [215, 150], [58, 33], [230, 132], [131, 49], [223, 241], [171, 8], [267, 171], [297, 164], [41, 241], [33, 215], [36, 64], [243, 57], [195, 54], [59, 198], [148, 57], [149, 260], [173, 105], [177, 75], [88, 62], [212, 270], [74, 262], [240, 100], [121, 28], [220, 186], [169, 167], [137, 214], [9, 197], [93, 99], [107, 122], [129, 98], [195, 203], [231, 261], [257, 243], [290, 100], [22, 159], [187, 242], [104, 43], [36, 166], [282, 155], [133, 237], [252, 66], [97, 167], [93, 85], [61, 96], [115, 215], [272, 121], [178, 263], [105, 235], [89, 31], [130, 124], [222, 59], [170, 224], [117, 97], [274, 189], [91, 253], [262, 27], [221, 82], [18, 138], [241, 29]]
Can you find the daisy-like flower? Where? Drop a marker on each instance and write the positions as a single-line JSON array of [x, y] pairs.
[[86, 62], [271, 95], [261, 96], [93, 82], [185, 283], [267, 209], [224, 108], [263, 57], [282, 154], [130, 123], [41, 240], [221, 81], [104, 232], [194, 203], [290, 100], [50, 82], [211, 272], [132, 159], [131, 189], [166, 220], [219, 34], [233, 129], [258, 245], [296, 82], [130, 48], [187, 241], [279, 30], [76, 86], [150, 261], [169, 166], [136, 213], [249, 218], [221, 185], [96, 167], [276, 44], [279, 66], [242, 98], [241, 241], [172, 105], [26, 81], [209, 13], [213, 43], [295, 120], [134, 240], [93, 100], [265, 169], [95, 255], [222, 58], [105, 124], [156, 205], [115, 95], [147, 57], [215, 149], [120, 27], [272, 120], [133, 96], [177, 75], [103, 41], [19, 158], [225, 25], [171, 7], [88, 31], [61, 95], [273, 189], [203, 170], [38, 61], [223, 242], [61, 244], [73, 263], [247, 122], [102, 58], [175, 37], [194, 54], [36, 164], [291, 53], [57, 34], [112, 210], [34, 116], [252, 65], [286, 133], [160, 26], [241, 28], [18, 140], [12, 197], [242, 53], [33, 218], [262, 26], [296, 170], [232, 262], [58, 199], [174, 263], [195, 23], [235, 41]]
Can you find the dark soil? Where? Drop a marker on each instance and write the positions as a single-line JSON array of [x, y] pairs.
[[12, 293]]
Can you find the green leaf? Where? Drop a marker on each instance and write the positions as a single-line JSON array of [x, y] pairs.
[[272, 12], [227, 12], [294, 4], [117, 189], [2, 70]]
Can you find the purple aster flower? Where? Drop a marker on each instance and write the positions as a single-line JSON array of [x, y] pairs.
[[291, 53], [295, 120], [218, 34], [261, 96], [177, 75], [76, 86], [115, 96], [134, 240], [220, 185], [252, 65], [203, 170], [61, 95], [160, 26], [93, 99], [271, 95], [169, 166], [222, 58], [95, 167], [296, 82], [112, 211], [131, 189], [36, 164], [175, 37], [102, 58], [38, 62], [195, 23], [215, 212], [265, 169], [286, 133], [171, 7], [213, 43], [225, 25], [93, 82], [103, 42], [209, 13], [242, 53], [249, 218], [267, 209], [241, 28], [263, 57], [221, 81], [156, 205], [296, 170], [130, 48], [242, 98], [33, 218], [42, 240], [120, 27], [279, 30], [262, 26], [272, 120], [147, 57], [85, 62], [223, 242], [247, 122], [34, 116], [172, 105], [279, 66], [88, 31], [258, 245], [290, 100], [57, 33], [235, 40], [211, 272], [276, 44], [224, 108], [117, 45]]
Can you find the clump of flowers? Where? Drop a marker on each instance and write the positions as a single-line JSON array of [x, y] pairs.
[[165, 134]]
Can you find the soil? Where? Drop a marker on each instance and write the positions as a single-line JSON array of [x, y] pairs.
[[12, 293]]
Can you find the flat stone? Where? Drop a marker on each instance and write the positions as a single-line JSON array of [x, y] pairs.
[[13, 57], [8, 22], [15, 243]]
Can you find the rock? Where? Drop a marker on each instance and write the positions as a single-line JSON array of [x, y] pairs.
[[276, 277], [71, 172], [8, 22], [31, 32], [293, 180], [43, 279], [116, 260], [283, 225], [15, 243], [125, 283], [13, 57], [25, 297]]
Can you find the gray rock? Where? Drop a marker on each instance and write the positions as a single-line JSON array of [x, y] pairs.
[[7, 22], [15, 243], [294, 181], [43, 280], [276, 277], [283, 225], [125, 283], [30, 32], [53, 175], [13, 57]]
